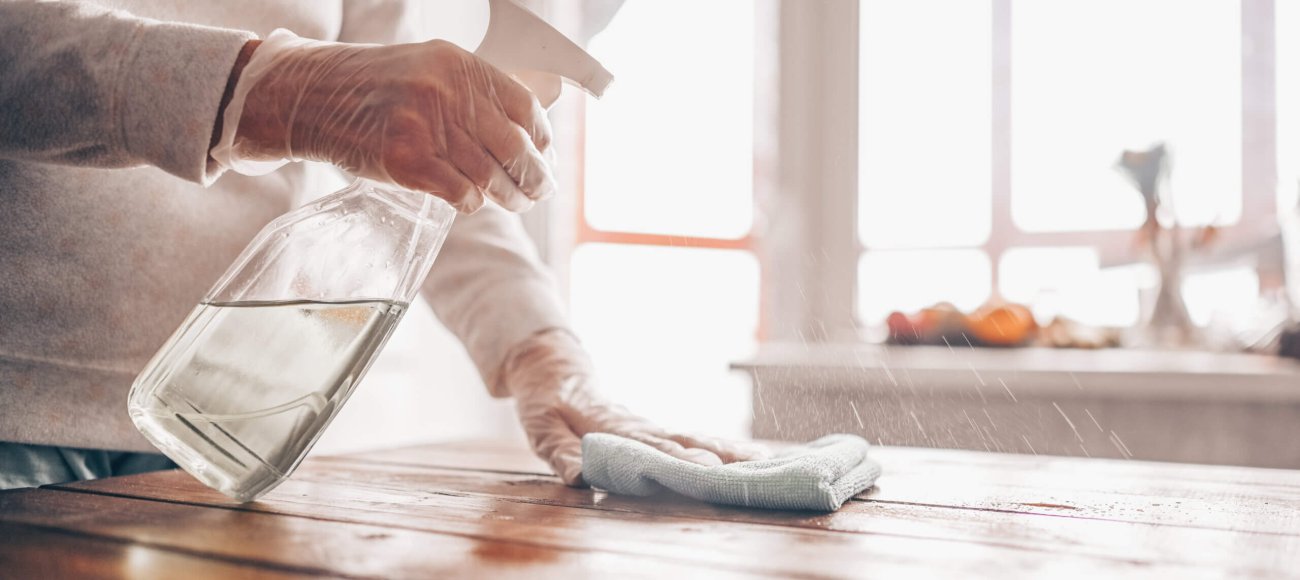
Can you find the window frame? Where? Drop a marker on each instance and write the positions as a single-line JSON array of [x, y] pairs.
[[564, 227], [820, 32], [805, 230]]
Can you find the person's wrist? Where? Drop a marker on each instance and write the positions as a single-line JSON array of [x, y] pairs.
[[295, 106], [237, 70], [545, 358], [263, 132]]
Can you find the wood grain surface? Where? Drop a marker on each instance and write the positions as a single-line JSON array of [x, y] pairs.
[[489, 509]]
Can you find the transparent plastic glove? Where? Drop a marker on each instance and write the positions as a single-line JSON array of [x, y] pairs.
[[429, 117], [550, 378]]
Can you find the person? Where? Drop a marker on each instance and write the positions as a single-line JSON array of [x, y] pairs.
[[117, 217]]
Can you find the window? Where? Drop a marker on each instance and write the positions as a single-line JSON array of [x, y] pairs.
[[913, 279], [925, 132], [663, 281], [1090, 78], [663, 324], [685, 173], [1226, 296], [1069, 281], [991, 129], [1287, 18], [960, 151]]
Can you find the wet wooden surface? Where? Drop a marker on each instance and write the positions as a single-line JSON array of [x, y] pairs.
[[486, 509]]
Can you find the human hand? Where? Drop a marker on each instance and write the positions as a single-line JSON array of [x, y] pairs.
[[429, 117], [551, 380]]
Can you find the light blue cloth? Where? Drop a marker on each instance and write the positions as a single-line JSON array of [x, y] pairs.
[[819, 476]]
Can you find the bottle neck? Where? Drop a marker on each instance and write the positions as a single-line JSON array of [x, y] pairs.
[[413, 204]]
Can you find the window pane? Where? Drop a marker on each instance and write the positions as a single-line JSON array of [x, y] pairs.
[[924, 123], [669, 149], [1069, 282], [1091, 78], [1226, 295], [1287, 18], [911, 280], [663, 324]]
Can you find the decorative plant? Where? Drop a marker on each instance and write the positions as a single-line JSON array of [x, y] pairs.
[[1165, 244]]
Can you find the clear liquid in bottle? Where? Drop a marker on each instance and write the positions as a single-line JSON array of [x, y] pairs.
[[243, 389]]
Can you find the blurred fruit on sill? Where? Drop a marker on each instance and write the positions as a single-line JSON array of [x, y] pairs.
[[997, 325]]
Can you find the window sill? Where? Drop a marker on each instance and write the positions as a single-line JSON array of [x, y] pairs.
[[1180, 406], [1033, 372]]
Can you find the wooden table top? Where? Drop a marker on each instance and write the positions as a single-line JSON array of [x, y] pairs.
[[487, 509]]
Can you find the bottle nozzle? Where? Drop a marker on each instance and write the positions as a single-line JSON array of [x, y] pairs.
[[521, 43]]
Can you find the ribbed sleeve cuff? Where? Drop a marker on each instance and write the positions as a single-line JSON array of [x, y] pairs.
[[170, 91]]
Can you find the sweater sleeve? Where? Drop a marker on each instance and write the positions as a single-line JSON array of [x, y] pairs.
[[84, 85], [489, 287]]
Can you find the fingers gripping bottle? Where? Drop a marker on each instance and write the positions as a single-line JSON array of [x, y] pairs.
[[241, 391]]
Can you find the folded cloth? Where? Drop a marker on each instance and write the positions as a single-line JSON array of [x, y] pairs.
[[820, 476]]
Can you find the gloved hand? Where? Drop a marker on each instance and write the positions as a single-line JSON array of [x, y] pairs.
[[551, 380], [429, 117]]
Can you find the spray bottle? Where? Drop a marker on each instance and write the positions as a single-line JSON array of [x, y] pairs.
[[243, 389]]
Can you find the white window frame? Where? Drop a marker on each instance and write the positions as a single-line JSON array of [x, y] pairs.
[[806, 151], [811, 236]]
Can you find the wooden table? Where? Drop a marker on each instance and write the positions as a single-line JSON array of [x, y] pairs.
[[487, 509]]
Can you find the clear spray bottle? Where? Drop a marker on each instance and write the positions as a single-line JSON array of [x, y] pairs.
[[241, 391]]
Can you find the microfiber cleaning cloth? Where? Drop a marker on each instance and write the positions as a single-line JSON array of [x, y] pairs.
[[820, 476]]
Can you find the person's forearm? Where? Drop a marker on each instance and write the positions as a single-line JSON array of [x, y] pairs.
[[84, 85], [490, 289]]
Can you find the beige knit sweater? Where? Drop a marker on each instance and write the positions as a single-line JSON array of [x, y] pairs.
[[113, 226]]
